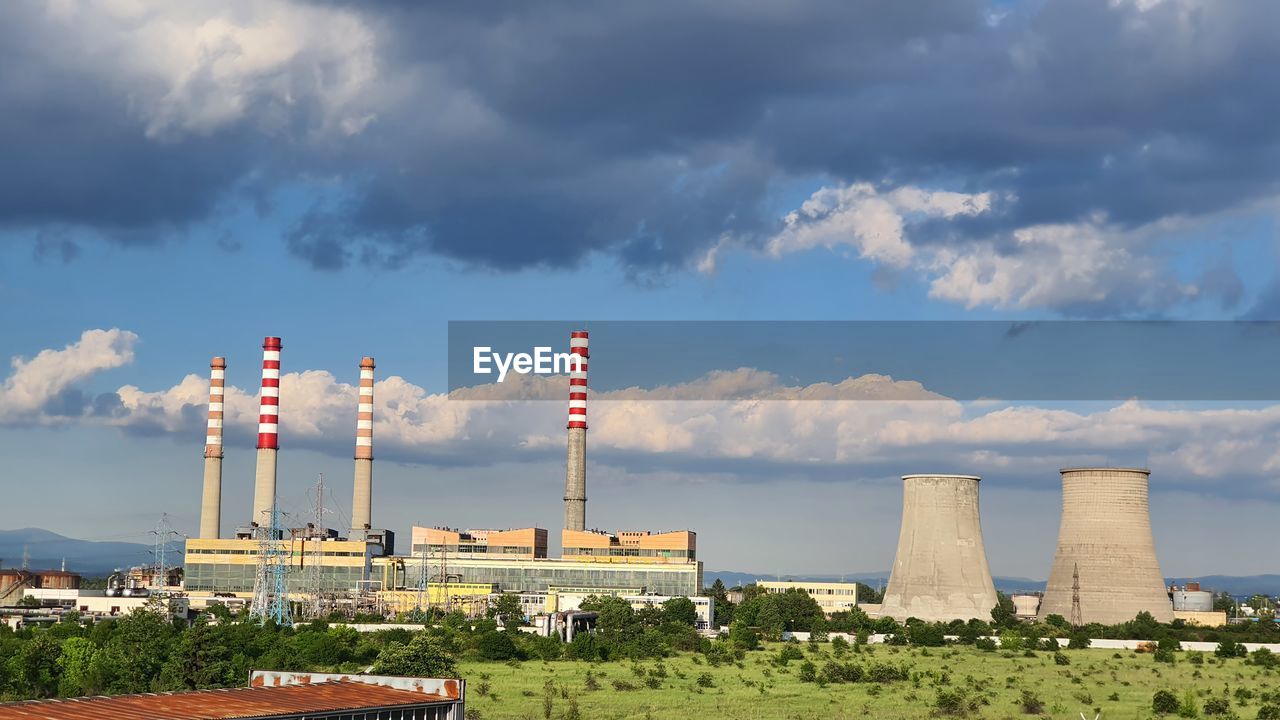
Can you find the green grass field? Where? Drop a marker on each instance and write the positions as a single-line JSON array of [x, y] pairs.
[[1094, 681]]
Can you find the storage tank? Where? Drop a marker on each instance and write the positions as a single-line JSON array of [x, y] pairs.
[[1193, 600]]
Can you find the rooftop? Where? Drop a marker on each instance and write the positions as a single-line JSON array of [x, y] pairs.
[[283, 701]]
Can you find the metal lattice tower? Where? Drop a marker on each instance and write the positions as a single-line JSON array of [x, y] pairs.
[[315, 558], [422, 576], [163, 532], [1077, 618], [271, 588]]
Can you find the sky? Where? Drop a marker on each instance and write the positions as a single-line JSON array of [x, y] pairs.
[[181, 180]]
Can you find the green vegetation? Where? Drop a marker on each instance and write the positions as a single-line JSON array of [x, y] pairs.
[[652, 664]]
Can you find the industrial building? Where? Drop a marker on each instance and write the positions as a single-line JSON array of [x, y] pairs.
[[830, 596], [1105, 568], [271, 696], [940, 572], [543, 574], [440, 542], [635, 546]]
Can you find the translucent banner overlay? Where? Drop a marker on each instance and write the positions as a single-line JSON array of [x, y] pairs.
[[960, 360]]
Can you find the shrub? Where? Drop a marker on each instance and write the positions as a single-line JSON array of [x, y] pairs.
[[835, 672], [1269, 712], [1188, 708], [985, 644], [1079, 641], [808, 673], [1010, 640], [1230, 649], [884, 672], [839, 645], [1163, 655], [789, 652], [1217, 706], [1165, 702], [623, 686], [652, 683], [926, 634], [1060, 659], [705, 680], [590, 682], [1031, 704], [1262, 657], [954, 703]]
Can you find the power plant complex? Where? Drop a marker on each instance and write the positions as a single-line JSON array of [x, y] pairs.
[[325, 570], [1104, 569]]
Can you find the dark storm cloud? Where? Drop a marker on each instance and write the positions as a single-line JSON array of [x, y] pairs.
[[512, 135]]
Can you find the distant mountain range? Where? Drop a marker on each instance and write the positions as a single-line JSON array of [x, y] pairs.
[[47, 550], [1235, 584]]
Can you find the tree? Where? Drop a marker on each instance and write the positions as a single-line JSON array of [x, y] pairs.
[[681, 611], [718, 591], [35, 666], [202, 659], [506, 609], [74, 664], [743, 637], [1003, 615], [497, 646], [422, 657], [617, 623], [868, 594], [131, 659]]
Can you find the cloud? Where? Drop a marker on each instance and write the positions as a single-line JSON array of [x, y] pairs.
[[648, 133], [45, 384], [1093, 267], [767, 429], [871, 222]]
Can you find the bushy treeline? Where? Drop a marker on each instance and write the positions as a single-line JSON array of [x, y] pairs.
[[147, 651]]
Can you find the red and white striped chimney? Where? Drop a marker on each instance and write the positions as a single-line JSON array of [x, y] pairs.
[[362, 498], [211, 499], [575, 482], [264, 488]]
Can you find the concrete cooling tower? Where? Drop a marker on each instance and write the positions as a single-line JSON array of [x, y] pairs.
[[940, 572], [1106, 555]]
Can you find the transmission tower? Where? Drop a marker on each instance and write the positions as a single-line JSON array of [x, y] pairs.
[[271, 588], [1076, 617], [163, 532], [315, 570], [423, 569]]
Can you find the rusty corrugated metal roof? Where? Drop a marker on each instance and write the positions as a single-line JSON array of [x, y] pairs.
[[249, 702]]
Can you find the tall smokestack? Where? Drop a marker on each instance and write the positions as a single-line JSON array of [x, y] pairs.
[[211, 500], [575, 481], [362, 498], [264, 487]]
